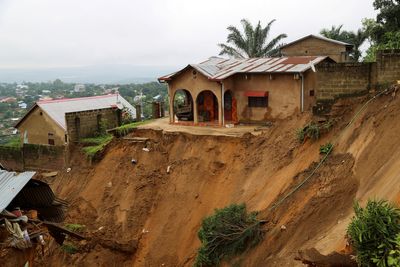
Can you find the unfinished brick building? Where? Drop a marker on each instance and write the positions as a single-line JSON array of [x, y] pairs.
[[58, 122]]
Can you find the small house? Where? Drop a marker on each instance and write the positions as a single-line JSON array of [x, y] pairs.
[[60, 121], [222, 91], [314, 45]]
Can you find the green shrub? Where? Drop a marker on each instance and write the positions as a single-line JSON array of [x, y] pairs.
[[74, 227], [229, 231], [313, 131], [69, 248], [301, 135], [374, 233], [325, 149]]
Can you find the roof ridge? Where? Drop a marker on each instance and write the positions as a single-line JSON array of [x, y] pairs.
[[74, 99]]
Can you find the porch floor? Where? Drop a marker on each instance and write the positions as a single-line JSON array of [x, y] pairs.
[[202, 128]]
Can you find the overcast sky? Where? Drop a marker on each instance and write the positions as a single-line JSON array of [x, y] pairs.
[[65, 33]]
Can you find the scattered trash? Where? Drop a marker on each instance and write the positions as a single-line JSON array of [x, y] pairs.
[[69, 169], [229, 125], [133, 161], [109, 184], [283, 228], [100, 228], [146, 149], [144, 231], [169, 169]]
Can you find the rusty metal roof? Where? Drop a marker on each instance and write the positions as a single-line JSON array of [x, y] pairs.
[[217, 69], [11, 183]]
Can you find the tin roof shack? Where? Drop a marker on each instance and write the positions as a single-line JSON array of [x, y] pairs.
[[29, 211], [313, 45], [46, 124], [222, 91]]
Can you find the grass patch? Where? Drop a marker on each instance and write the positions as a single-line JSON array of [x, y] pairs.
[[95, 144], [14, 142], [127, 128], [69, 248], [74, 227]]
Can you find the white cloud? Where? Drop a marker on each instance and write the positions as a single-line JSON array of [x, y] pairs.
[[46, 33]]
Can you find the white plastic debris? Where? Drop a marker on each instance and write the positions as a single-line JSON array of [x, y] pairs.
[[283, 227], [146, 149], [109, 184], [69, 169], [169, 169], [144, 231], [133, 161]]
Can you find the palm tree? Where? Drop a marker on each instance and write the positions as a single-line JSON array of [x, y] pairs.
[[335, 33], [355, 38], [252, 42]]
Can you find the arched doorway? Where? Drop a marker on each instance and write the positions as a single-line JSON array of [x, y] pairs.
[[183, 105], [207, 107], [230, 110]]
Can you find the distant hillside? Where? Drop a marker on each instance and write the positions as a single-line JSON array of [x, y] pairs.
[[99, 74]]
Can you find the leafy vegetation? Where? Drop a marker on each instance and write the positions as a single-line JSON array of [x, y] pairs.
[[75, 227], [14, 142], [325, 149], [127, 128], [375, 234], [95, 144], [252, 42], [313, 130], [69, 248], [229, 231]]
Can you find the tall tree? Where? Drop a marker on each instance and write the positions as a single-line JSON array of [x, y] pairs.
[[384, 31], [252, 42]]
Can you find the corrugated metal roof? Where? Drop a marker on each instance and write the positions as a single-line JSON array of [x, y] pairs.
[[317, 37], [217, 68], [11, 184], [56, 109]]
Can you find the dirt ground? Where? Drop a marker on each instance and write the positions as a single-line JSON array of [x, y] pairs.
[[236, 130], [141, 215]]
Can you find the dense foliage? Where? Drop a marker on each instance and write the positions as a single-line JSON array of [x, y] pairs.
[[252, 42], [375, 234], [229, 231], [381, 33]]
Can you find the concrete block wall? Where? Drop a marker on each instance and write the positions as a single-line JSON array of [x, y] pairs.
[[88, 122], [334, 80], [33, 157], [388, 66], [346, 79], [44, 157]]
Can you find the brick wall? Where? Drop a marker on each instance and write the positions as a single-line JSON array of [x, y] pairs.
[[11, 158], [388, 66], [346, 79], [86, 123], [33, 157], [335, 80], [44, 157]]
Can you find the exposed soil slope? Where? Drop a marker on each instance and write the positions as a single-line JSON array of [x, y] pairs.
[[140, 215]]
